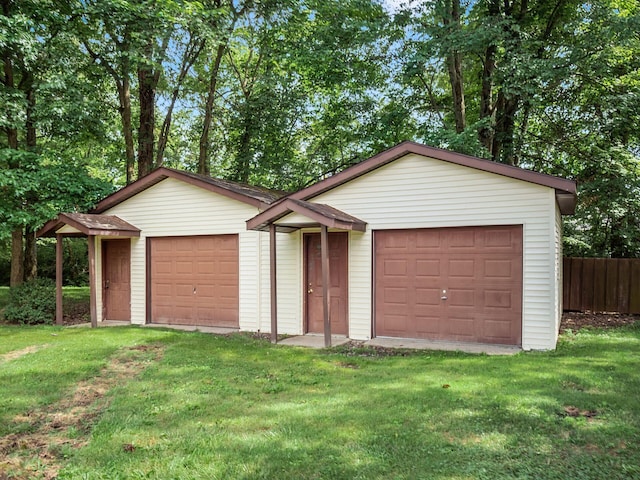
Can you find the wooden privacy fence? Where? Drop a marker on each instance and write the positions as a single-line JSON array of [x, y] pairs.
[[601, 284]]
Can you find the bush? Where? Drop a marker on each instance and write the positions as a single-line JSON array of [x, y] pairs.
[[31, 303]]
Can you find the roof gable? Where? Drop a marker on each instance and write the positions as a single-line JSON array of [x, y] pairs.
[[258, 197], [565, 189]]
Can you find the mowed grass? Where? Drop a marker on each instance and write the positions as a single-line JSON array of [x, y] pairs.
[[235, 407]]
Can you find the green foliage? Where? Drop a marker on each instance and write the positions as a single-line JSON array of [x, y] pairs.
[[33, 302], [306, 89], [75, 263], [37, 187]]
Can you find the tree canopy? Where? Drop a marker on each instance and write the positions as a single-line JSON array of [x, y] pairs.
[[280, 93]]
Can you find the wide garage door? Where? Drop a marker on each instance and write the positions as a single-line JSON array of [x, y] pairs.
[[461, 284], [194, 280]]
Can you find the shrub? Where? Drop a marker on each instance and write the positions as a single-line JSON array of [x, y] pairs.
[[31, 303]]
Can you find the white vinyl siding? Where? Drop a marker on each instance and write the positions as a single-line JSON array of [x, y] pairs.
[[175, 208], [557, 265], [289, 282], [421, 192]]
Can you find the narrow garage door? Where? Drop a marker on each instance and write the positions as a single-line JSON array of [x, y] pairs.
[[461, 284], [194, 280]]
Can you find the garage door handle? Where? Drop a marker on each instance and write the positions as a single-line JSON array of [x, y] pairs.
[[444, 295]]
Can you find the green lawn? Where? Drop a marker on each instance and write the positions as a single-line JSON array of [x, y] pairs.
[[217, 407]]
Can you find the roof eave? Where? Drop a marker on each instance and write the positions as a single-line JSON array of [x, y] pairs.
[[406, 148], [566, 202]]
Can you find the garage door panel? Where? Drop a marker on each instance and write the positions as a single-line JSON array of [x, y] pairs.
[[479, 267], [460, 240], [428, 297], [184, 245], [458, 297], [460, 327], [163, 267], [396, 323], [396, 296], [428, 267], [204, 267], [499, 269], [395, 267], [502, 299], [425, 325], [194, 280], [462, 268]]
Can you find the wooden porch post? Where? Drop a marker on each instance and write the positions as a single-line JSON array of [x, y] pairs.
[[59, 260], [326, 304], [273, 279], [91, 240]]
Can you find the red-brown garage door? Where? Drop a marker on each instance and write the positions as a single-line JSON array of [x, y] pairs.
[[194, 280], [462, 284]]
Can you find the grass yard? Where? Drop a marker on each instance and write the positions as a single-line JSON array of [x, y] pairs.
[[133, 403]]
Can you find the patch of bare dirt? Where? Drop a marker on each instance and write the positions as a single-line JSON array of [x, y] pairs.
[[76, 313], [355, 348], [571, 411], [20, 353], [34, 454], [575, 321]]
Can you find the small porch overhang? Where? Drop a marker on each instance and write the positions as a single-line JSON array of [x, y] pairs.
[[86, 224], [317, 213], [324, 216], [79, 225]]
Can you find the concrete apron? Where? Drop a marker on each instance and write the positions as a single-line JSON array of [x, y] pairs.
[[317, 340]]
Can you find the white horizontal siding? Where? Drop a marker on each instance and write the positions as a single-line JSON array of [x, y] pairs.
[[175, 208], [557, 264], [265, 285], [421, 192], [289, 282]]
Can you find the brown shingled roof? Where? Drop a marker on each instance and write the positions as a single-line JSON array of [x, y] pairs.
[[90, 224], [319, 213]]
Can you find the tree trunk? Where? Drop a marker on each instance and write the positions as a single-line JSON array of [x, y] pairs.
[[454, 66], [146, 136], [17, 262], [147, 82], [191, 54], [30, 246], [30, 254], [243, 160], [204, 167], [124, 94], [503, 146], [17, 272], [485, 134]]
